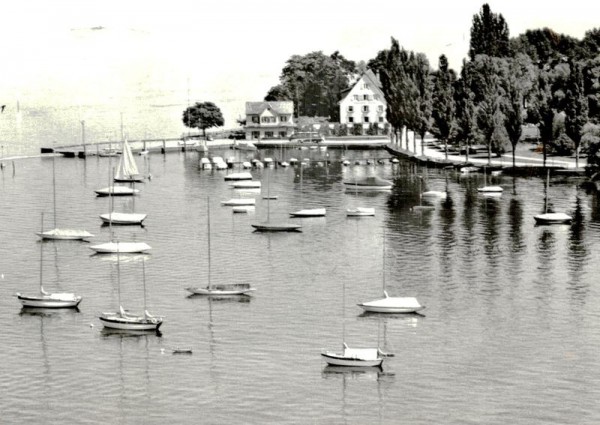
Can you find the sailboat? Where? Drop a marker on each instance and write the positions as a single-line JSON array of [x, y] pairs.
[[489, 189], [551, 217], [222, 288], [119, 247], [127, 171], [389, 304], [310, 212], [120, 217], [268, 226], [352, 357], [56, 233], [45, 299], [123, 320]]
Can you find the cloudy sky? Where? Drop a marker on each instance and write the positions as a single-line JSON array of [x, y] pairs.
[[131, 52]]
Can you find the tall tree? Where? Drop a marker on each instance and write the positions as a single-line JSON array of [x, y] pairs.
[[576, 107], [489, 34], [464, 99], [202, 116], [513, 109], [443, 104], [423, 83], [541, 109]]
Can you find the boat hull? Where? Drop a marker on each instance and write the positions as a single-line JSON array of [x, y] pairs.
[[283, 227], [553, 218], [360, 212], [238, 176], [121, 247], [123, 218], [65, 234], [232, 289], [130, 324], [47, 302], [335, 359], [239, 202], [314, 212], [117, 191], [392, 305]]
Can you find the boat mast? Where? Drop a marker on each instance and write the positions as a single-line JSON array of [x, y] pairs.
[[119, 277], [547, 190], [41, 258], [54, 189], [268, 196], [144, 280], [343, 315], [383, 262], [208, 239]]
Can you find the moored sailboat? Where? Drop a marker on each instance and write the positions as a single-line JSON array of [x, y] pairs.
[[46, 299], [551, 217], [123, 320], [221, 288], [58, 233]]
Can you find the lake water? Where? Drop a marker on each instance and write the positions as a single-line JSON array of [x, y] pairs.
[[510, 332]]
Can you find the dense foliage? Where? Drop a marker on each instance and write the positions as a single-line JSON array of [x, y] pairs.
[[202, 116], [539, 78], [315, 82]]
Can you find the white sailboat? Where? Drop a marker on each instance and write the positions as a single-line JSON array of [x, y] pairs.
[[492, 189], [389, 304], [307, 212], [56, 233], [551, 217], [269, 226], [46, 299], [123, 320], [113, 247], [122, 218], [352, 357], [127, 170], [221, 288]]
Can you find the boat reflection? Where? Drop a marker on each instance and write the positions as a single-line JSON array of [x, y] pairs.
[[123, 333], [242, 298], [362, 373], [46, 312], [122, 257]]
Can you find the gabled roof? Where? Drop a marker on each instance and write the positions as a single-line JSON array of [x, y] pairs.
[[278, 107], [371, 78]]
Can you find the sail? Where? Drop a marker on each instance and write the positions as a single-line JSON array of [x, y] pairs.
[[127, 167]]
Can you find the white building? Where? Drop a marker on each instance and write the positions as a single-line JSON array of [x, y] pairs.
[[364, 103], [269, 120]]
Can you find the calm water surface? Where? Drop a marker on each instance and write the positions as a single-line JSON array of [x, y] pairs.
[[509, 335]]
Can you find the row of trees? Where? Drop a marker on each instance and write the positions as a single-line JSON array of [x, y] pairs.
[[540, 77]]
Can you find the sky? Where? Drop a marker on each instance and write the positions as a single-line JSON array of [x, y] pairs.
[[130, 54]]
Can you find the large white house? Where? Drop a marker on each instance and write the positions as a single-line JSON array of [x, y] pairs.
[[269, 120], [364, 103]]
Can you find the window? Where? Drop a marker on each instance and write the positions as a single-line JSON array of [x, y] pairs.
[[365, 119], [355, 97], [256, 135], [254, 119], [365, 108], [282, 134], [350, 119], [350, 108], [269, 134], [365, 86], [376, 96], [366, 97], [380, 108], [380, 119], [283, 118]]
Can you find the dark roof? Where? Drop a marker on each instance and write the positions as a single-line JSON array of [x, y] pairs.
[[279, 107]]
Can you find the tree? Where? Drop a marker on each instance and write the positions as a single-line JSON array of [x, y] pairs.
[[541, 109], [513, 111], [576, 107], [315, 82], [489, 89], [202, 116], [443, 105], [489, 34], [423, 82], [464, 100]]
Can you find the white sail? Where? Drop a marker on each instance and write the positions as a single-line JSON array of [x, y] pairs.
[[127, 168]]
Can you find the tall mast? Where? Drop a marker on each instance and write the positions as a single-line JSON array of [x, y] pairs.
[[208, 238], [54, 189], [119, 276], [41, 257], [144, 280]]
